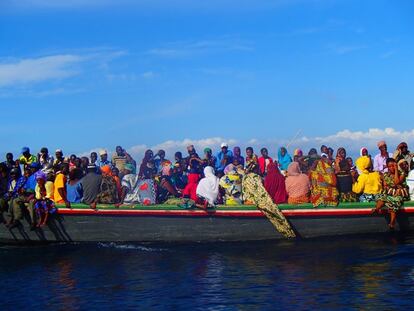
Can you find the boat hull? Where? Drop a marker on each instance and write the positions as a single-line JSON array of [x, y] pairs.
[[174, 225]]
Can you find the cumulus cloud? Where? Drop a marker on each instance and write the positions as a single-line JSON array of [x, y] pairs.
[[351, 140]]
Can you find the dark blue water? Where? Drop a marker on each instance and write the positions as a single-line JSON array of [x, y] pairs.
[[346, 273]]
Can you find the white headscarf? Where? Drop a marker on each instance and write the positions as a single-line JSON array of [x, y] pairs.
[[208, 187]]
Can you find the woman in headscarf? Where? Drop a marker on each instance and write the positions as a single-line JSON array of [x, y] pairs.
[[147, 169], [340, 155], [395, 191], [274, 184], [208, 188], [231, 182], [43, 204], [402, 153], [323, 184], [344, 180], [297, 185], [283, 158], [368, 184]]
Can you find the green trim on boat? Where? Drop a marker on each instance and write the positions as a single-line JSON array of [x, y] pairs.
[[226, 208]]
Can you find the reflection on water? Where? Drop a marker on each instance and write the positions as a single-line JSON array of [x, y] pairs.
[[356, 273]]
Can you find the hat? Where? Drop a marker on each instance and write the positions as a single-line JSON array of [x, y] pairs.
[[58, 151], [25, 149], [381, 143], [224, 145], [44, 150], [102, 152], [323, 154], [207, 150]]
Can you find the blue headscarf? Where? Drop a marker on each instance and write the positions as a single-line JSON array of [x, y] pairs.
[[285, 160]]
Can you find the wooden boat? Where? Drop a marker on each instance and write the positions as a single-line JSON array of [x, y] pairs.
[[167, 223]]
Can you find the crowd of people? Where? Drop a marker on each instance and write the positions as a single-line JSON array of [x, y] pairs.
[[34, 184]]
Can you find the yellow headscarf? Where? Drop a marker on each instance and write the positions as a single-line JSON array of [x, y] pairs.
[[363, 164]]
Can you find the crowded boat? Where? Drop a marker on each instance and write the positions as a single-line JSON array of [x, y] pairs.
[[33, 186]]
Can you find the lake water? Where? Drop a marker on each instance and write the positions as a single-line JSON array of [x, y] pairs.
[[375, 272]]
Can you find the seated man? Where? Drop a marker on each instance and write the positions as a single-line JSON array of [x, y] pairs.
[[11, 163], [224, 158], [60, 193], [15, 188], [26, 158], [45, 160], [122, 157], [91, 185], [59, 158], [104, 159]]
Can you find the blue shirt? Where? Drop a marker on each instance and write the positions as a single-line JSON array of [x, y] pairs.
[[220, 156], [74, 193], [103, 163], [30, 184]]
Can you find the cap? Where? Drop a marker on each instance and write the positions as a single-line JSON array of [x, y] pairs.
[[44, 150], [102, 152], [207, 150], [224, 145], [323, 154], [381, 143], [58, 151], [25, 149]]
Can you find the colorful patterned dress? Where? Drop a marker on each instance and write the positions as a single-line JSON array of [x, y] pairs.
[[393, 195], [323, 185]]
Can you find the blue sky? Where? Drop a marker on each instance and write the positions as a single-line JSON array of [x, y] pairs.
[[84, 75]]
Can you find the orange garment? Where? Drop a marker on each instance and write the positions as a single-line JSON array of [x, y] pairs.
[[60, 182]]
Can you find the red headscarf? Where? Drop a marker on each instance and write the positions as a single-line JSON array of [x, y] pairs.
[[275, 184]]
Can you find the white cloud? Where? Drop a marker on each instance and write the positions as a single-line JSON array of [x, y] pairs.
[[24, 77], [33, 70], [351, 140], [188, 48], [346, 49]]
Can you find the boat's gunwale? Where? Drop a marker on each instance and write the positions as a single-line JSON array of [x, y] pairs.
[[316, 212]]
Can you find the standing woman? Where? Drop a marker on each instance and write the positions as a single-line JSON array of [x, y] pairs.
[[340, 155], [284, 158], [394, 191], [323, 184]]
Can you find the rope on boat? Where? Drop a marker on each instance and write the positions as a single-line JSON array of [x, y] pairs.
[[254, 191]]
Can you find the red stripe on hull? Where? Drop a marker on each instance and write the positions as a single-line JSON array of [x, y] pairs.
[[218, 213]]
